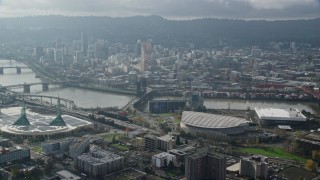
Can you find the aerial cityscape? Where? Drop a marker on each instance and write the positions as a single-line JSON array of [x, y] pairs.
[[137, 90]]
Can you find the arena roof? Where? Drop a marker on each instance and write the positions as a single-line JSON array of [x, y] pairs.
[[213, 121]]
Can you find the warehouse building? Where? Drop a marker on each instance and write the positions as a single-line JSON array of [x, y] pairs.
[[274, 116]]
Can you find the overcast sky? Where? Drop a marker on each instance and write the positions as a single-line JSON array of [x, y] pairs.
[[172, 9]]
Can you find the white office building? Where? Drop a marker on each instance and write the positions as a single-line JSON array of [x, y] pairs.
[[163, 160], [254, 167]]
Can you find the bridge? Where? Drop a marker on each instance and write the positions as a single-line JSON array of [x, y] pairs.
[[18, 68], [47, 100], [26, 86]]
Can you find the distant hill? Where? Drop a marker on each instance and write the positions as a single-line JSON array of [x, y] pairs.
[[201, 32]]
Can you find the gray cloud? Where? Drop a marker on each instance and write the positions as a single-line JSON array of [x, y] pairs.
[[181, 9]]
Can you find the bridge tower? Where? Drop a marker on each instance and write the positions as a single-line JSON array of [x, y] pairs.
[[45, 86], [18, 70]]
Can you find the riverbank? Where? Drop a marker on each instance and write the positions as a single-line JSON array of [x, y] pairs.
[[103, 88]]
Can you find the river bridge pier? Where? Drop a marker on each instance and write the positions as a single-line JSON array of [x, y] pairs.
[[18, 69]]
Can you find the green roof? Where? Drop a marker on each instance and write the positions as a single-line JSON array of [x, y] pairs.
[[23, 120], [58, 121]]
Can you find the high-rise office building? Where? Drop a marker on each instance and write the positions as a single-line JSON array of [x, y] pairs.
[[150, 142], [38, 52], [91, 51], [254, 167], [166, 142], [84, 44], [203, 166], [141, 86], [101, 49], [50, 53], [58, 55], [146, 56], [58, 43], [138, 48]]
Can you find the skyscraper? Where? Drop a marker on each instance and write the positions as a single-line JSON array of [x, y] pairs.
[[146, 56], [84, 44], [138, 48], [203, 166], [101, 49], [58, 55]]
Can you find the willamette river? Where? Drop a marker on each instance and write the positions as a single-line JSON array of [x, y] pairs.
[[82, 97], [90, 98]]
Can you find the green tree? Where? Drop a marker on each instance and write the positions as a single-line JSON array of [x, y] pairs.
[[183, 133], [146, 124], [15, 172], [50, 164], [316, 155], [36, 172], [114, 139], [182, 169], [309, 164], [170, 165], [27, 174], [178, 140], [186, 141]]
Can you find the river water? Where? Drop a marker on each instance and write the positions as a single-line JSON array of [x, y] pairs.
[[90, 98], [82, 97]]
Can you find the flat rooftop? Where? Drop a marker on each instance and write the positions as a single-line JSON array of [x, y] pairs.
[[162, 155], [66, 175], [167, 101], [98, 156], [291, 114], [129, 173], [166, 138]]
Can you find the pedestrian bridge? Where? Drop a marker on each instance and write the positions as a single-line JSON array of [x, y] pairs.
[[49, 100]]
